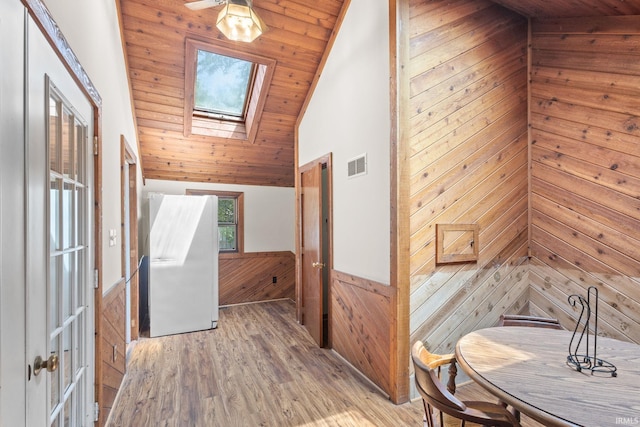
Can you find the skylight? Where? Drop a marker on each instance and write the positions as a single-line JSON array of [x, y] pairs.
[[225, 91], [222, 86]]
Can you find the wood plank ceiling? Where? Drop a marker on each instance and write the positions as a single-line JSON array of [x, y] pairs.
[[154, 34], [571, 8]]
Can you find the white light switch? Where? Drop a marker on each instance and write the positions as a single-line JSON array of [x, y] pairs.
[[112, 237]]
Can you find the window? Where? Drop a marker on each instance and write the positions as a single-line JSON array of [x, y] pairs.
[[230, 219], [222, 86], [225, 91]]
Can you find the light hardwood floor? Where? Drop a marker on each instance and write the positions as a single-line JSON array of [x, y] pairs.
[[258, 368]]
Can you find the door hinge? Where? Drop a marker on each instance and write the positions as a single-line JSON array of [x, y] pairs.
[[96, 411], [95, 279], [95, 145]]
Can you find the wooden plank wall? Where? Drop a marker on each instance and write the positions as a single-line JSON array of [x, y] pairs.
[[358, 333], [585, 101], [249, 277], [468, 164], [113, 347]]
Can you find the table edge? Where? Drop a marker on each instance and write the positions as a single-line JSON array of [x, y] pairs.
[[531, 411]]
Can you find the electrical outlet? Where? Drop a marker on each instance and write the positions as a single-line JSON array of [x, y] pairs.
[[275, 279]]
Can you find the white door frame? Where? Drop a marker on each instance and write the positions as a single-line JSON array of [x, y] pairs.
[[12, 222]]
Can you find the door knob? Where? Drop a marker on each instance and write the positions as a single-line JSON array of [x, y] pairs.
[[318, 265], [51, 364]]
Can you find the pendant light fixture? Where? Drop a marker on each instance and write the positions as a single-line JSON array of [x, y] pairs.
[[239, 22]]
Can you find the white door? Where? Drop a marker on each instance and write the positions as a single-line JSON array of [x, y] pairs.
[[59, 301]]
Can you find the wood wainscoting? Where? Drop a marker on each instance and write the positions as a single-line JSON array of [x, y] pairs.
[[249, 277], [585, 167], [362, 329], [113, 348], [468, 144]]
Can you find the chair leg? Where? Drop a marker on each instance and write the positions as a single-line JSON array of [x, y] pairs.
[[428, 418], [514, 411]]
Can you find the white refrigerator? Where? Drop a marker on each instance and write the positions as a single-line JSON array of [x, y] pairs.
[[183, 263]]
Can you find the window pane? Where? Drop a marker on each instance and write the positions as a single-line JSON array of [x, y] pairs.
[[55, 233], [54, 126], [221, 84], [79, 151], [68, 138], [54, 278], [227, 237], [68, 215], [68, 267], [226, 211], [65, 357], [54, 378]]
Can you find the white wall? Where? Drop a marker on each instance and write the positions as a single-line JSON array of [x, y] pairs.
[[349, 115], [92, 30], [269, 212]]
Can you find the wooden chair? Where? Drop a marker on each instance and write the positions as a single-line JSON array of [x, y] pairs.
[[439, 400], [533, 321]]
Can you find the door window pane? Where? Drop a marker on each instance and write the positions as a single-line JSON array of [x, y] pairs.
[[54, 214], [68, 140], [79, 351], [79, 392], [78, 151], [65, 356], [54, 378], [54, 278], [54, 133], [67, 277], [68, 216], [81, 194], [67, 413]]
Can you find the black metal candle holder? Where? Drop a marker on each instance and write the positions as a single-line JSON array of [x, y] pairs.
[[587, 361]]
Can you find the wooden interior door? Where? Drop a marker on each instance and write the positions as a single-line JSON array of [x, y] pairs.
[[312, 266]]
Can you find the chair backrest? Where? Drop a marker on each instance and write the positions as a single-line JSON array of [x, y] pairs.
[[428, 382], [439, 400], [532, 321]]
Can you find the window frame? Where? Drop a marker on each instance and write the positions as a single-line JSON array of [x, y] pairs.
[[239, 197], [196, 124]]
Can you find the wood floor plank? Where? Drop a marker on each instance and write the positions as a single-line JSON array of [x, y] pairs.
[[258, 368]]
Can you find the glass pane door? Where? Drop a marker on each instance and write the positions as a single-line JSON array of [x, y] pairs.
[[68, 260]]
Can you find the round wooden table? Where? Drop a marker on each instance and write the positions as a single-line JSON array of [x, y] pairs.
[[526, 368]]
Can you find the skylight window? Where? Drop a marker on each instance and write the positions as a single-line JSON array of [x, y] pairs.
[[225, 91], [222, 86]]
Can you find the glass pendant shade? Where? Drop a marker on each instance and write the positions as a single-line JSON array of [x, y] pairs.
[[239, 22]]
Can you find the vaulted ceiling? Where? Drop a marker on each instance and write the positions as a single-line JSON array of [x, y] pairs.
[[154, 33]]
